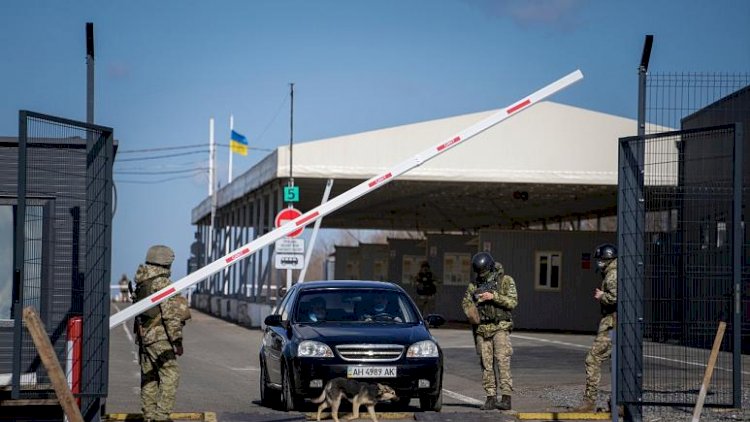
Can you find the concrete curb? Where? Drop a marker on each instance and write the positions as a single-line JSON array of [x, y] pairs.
[[311, 416], [564, 416], [192, 416]]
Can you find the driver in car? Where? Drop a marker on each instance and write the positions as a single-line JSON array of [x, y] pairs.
[[381, 310]]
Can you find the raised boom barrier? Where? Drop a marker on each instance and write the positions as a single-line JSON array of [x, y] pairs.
[[341, 200]]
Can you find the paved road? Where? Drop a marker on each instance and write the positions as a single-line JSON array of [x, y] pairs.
[[220, 373]]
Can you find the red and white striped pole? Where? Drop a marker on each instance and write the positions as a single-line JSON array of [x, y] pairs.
[[73, 355], [322, 210]]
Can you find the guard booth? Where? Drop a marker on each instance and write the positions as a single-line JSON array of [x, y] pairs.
[[55, 252]]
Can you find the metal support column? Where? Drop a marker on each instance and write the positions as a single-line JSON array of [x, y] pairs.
[[737, 243]]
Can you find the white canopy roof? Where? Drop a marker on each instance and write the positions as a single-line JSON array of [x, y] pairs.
[[549, 143], [564, 157]]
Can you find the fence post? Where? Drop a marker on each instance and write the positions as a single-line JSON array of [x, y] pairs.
[[613, 364], [738, 238], [73, 355], [49, 359]]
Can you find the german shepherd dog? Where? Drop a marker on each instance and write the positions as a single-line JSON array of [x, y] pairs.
[[359, 393]]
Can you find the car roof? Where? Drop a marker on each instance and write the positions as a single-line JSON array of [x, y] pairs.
[[347, 284]]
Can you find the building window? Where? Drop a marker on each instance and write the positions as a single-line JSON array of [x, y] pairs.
[[380, 270], [721, 233], [6, 260], [456, 268], [32, 257], [409, 268], [548, 270], [352, 269]]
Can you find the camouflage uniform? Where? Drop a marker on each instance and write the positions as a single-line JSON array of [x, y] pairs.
[[493, 338], [161, 335], [601, 349], [425, 299]]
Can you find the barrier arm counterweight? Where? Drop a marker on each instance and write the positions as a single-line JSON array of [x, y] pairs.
[[360, 190]]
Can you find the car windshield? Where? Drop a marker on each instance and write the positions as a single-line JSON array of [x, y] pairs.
[[354, 305]]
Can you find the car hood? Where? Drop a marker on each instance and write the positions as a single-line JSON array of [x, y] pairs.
[[334, 334]]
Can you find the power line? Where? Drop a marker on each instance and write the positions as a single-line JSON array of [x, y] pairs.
[[131, 151], [179, 154], [201, 169], [157, 157], [163, 166], [273, 119], [150, 182]]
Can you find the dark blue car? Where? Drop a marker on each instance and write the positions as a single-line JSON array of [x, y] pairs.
[[366, 330]]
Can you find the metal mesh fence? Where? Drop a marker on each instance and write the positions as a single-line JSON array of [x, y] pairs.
[[672, 97], [683, 248], [63, 237]]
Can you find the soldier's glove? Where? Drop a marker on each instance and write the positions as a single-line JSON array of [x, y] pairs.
[[178, 348]]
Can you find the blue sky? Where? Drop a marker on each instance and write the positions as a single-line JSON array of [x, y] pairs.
[[163, 68]]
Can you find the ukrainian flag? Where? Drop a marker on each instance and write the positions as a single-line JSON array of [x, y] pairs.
[[238, 144]]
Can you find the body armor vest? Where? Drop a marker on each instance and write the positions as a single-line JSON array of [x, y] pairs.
[[142, 291], [489, 311]]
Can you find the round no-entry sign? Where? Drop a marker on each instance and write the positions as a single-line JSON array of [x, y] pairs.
[[286, 215]]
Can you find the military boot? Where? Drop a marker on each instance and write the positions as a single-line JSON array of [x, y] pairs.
[[490, 404], [504, 402], [587, 405]]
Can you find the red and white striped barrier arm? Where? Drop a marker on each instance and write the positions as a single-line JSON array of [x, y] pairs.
[[341, 200]]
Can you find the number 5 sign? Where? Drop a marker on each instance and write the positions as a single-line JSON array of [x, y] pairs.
[[291, 194]]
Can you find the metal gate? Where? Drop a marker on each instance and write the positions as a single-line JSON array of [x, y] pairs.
[[680, 238], [62, 253]]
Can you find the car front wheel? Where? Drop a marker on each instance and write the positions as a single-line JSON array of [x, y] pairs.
[[431, 403], [267, 394], [288, 401]]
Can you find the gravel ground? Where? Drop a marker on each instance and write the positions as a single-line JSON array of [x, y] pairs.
[[568, 397]]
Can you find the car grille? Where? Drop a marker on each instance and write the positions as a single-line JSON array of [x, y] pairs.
[[370, 352]]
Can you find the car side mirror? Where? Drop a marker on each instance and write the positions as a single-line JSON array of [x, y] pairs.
[[434, 320], [273, 320]]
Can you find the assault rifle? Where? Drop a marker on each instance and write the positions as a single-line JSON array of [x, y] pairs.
[[137, 326]]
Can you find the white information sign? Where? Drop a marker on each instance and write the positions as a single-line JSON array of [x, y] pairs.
[[285, 261], [290, 245]]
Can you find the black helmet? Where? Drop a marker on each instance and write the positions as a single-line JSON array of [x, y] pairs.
[[603, 254], [482, 263], [605, 251]]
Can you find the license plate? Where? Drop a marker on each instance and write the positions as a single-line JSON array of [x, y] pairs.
[[371, 372]]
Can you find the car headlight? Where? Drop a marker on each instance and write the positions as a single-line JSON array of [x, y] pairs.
[[314, 349], [423, 349]]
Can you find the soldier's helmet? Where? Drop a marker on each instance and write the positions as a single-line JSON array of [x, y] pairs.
[[482, 263], [160, 255], [604, 254]]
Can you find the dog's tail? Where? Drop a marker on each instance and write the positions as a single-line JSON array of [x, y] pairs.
[[322, 396]]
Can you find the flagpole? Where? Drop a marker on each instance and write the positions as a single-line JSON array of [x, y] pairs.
[[211, 182], [231, 128]]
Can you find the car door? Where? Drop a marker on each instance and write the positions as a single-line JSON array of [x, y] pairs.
[[275, 338]]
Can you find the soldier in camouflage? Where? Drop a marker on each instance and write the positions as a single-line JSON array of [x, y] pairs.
[[606, 264], [488, 303], [159, 336]]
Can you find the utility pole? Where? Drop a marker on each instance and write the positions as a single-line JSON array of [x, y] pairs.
[[291, 133], [89, 72]]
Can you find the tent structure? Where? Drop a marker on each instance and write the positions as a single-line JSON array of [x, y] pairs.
[[550, 162]]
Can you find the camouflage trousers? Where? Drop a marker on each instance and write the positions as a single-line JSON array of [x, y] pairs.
[[426, 304], [160, 376], [600, 351], [496, 349]]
